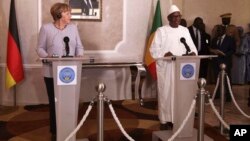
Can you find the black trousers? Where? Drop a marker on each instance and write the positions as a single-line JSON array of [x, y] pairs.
[[52, 109], [203, 68]]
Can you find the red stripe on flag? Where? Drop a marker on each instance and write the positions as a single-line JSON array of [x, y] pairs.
[[14, 60], [149, 60], [152, 70]]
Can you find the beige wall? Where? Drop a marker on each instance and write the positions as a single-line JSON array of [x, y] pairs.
[[119, 37], [121, 34], [27, 20], [95, 35], [27, 26], [100, 37]]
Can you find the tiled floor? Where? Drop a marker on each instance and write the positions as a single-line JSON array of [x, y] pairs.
[[31, 122], [232, 115]]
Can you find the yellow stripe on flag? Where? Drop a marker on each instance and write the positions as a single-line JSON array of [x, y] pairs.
[[148, 57], [9, 81]]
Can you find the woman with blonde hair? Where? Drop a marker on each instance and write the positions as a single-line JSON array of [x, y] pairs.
[[51, 42]]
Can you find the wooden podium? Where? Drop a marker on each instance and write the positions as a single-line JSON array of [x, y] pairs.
[[67, 81], [186, 75]]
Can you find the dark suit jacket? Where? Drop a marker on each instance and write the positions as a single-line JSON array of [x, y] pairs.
[[227, 46], [85, 7], [191, 31], [81, 5], [205, 41], [205, 44]]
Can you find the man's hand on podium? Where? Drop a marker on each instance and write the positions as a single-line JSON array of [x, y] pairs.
[[217, 52], [168, 54], [190, 54], [220, 53]]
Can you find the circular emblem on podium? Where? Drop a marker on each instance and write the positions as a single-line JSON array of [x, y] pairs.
[[187, 71], [67, 75]]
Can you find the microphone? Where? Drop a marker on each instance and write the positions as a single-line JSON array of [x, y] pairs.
[[183, 40], [66, 41]]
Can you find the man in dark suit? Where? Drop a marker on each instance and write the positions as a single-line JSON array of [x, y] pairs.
[[223, 46], [195, 32], [183, 22], [205, 45], [86, 6], [202, 42]]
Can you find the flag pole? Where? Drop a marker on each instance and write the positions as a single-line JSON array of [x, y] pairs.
[[14, 96]]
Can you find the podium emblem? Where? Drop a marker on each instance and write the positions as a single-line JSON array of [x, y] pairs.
[[187, 71], [66, 75]]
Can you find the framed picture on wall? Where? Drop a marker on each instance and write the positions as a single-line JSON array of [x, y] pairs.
[[86, 9]]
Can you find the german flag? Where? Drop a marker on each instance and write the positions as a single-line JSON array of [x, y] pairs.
[[14, 65], [157, 22]]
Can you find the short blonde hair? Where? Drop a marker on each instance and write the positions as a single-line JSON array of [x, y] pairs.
[[57, 9]]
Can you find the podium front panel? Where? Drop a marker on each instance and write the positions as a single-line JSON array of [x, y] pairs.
[[186, 76], [67, 80]]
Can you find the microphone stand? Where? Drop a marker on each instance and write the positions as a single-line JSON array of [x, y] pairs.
[[67, 56], [66, 41], [186, 54]]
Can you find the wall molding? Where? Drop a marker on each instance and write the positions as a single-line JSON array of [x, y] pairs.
[[25, 66]]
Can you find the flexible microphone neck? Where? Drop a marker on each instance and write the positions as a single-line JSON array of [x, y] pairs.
[[183, 40], [66, 41]]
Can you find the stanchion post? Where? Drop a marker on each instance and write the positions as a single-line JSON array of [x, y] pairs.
[[100, 105], [222, 95], [201, 95]]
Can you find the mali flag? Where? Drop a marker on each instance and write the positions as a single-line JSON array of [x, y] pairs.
[[150, 62], [14, 66]]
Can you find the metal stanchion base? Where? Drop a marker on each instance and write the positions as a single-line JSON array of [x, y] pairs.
[[166, 134], [225, 131]]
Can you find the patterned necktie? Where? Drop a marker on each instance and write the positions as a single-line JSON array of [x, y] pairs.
[[219, 42], [196, 37]]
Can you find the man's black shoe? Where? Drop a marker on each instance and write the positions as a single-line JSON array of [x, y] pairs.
[[166, 126], [170, 125]]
